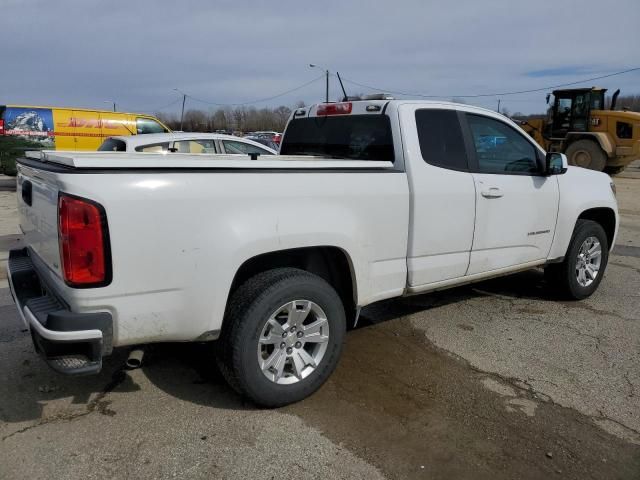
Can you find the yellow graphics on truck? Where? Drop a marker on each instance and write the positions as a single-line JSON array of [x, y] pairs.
[[72, 128]]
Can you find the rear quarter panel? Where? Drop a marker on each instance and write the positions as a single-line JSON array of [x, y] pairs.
[[177, 239]]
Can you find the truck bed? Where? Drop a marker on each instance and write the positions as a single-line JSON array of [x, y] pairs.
[[117, 160], [180, 226]]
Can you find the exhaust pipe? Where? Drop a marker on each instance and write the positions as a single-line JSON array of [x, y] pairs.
[[614, 99], [135, 358]]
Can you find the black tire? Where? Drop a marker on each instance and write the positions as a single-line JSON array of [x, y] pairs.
[[586, 154], [562, 276], [614, 170], [250, 307]]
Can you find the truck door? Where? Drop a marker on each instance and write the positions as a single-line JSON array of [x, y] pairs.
[[516, 207], [442, 195]]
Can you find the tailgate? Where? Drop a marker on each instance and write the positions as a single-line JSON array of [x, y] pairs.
[[37, 197]]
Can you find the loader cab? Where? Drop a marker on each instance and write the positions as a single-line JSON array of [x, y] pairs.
[[571, 110]]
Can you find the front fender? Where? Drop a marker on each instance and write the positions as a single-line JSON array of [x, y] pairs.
[[580, 190]]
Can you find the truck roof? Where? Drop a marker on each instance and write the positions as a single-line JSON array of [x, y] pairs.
[[377, 107], [580, 90]]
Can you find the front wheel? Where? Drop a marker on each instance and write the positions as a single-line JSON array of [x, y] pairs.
[[579, 275], [586, 154], [282, 336]]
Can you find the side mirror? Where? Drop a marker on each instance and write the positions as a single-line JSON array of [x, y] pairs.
[[555, 163]]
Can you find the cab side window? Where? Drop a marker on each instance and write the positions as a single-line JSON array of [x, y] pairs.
[[147, 125], [499, 148], [440, 138]]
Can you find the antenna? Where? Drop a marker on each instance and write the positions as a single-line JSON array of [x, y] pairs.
[[345, 98]]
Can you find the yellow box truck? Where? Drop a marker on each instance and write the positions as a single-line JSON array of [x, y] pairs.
[[24, 127]]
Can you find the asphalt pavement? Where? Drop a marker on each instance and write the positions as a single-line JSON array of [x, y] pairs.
[[499, 379]]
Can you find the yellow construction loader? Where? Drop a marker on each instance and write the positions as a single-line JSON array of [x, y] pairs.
[[579, 126]]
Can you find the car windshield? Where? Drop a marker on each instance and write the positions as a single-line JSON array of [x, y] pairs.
[[355, 137]]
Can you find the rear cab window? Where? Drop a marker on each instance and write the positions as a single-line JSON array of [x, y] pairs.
[[113, 145], [353, 137]]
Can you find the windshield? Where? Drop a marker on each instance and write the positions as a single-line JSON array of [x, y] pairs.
[[355, 137]]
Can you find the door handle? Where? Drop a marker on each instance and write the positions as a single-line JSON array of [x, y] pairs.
[[492, 192]]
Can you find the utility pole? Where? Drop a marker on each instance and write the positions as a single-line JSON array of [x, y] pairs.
[[327, 95], [112, 102], [326, 73], [498, 105], [184, 99]]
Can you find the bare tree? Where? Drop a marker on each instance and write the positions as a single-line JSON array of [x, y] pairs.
[[281, 114], [171, 120], [241, 118], [630, 102], [195, 121]]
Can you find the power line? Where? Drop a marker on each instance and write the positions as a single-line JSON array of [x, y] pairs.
[[385, 90], [259, 100]]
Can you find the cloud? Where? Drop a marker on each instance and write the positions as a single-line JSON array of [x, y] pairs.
[[82, 53]]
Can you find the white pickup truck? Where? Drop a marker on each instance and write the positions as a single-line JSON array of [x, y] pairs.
[[272, 258]]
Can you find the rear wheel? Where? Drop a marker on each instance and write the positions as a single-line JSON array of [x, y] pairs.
[[579, 275], [282, 336], [586, 154]]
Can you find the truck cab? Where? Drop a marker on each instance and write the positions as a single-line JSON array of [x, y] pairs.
[[571, 110]]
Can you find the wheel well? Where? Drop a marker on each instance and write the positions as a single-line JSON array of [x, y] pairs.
[[330, 263], [605, 217]]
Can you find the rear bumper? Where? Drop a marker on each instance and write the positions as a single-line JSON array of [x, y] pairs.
[[70, 343]]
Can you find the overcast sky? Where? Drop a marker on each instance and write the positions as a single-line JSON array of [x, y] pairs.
[[81, 53]]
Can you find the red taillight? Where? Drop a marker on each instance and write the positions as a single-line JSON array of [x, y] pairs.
[[334, 109], [84, 252], [1, 126]]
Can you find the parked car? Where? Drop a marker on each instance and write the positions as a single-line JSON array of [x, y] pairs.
[[264, 141], [273, 257], [184, 142], [273, 136]]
